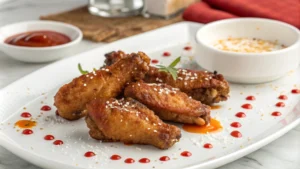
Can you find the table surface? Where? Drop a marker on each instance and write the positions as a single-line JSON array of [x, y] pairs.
[[283, 153]]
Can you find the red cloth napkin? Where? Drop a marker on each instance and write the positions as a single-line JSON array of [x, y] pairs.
[[211, 10]]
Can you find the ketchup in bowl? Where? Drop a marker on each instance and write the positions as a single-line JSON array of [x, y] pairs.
[[38, 39]]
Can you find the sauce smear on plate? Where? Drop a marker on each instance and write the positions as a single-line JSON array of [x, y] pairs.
[[25, 124], [214, 125]]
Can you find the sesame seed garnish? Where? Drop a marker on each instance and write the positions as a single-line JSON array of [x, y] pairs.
[[84, 84]]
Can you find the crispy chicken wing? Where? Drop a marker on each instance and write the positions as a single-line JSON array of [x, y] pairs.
[[107, 82], [169, 103], [129, 121], [204, 86]]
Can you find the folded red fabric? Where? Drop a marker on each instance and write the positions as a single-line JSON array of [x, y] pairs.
[[211, 10]]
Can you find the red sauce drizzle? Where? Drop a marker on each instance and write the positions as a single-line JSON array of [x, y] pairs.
[[49, 137], [129, 161], [144, 160], [38, 39], [236, 134], [208, 146], [296, 91], [154, 61], [164, 158], [240, 115], [186, 154], [283, 97], [236, 124], [187, 48], [280, 104], [58, 142], [250, 98], [46, 108], [166, 54], [89, 154], [27, 132], [247, 106], [276, 113], [115, 157], [25, 115]]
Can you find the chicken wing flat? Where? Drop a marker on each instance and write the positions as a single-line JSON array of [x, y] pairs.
[[204, 86], [169, 103], [107, 82], [129, 121]]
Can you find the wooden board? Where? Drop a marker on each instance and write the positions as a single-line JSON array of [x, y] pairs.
[[101, 29]]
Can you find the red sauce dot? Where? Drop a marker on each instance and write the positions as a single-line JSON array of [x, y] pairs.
[[49, 137], [283, 97], [276, 113], [46, 108], [208, 145], [236, 134], [250, 98], [166, 54], [280, 104], [144, 160], [187, 48], [240, 115], [154, 61], [296, 91], [129, 160], [58, 142], [236, 124], [25, 115], [164, 158], [186, 154], [247, 106], [115, 157], [89, 154], [27, 132]]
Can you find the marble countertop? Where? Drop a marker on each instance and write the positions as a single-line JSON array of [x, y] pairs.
[[283, 153]]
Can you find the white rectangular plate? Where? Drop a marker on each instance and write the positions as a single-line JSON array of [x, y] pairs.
[[30, 93]]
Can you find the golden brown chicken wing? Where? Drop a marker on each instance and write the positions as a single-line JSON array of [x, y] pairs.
[[107, 82], [204, 86], [129, 121], [169, 103]]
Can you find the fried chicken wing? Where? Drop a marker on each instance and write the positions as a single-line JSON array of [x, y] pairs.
[[129, 121], [107, 82], [204, 86], [169, 103]]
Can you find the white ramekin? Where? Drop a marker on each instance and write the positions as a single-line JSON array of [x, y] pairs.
[[248, 67]]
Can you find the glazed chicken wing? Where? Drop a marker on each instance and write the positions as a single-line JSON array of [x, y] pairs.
[[204, 86], [169, 103], [129, 121], [107, 82]]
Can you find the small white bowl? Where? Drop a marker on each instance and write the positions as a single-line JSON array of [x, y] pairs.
[[249, 67], [39, 54]]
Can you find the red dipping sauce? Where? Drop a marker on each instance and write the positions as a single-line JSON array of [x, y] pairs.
[[38, 39]]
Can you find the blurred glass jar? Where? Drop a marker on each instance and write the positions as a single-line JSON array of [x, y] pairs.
[[115, 8]]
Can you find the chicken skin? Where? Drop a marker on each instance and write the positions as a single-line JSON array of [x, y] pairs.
[[107, 82], [129, 121], [204, 86], [169, 103]]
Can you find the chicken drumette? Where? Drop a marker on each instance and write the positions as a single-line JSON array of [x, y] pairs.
[[169, 103], [129, 121], [107, 82]]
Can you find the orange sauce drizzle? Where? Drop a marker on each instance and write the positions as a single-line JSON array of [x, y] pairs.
[[214, 107], [213, 126], [25, 124]]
